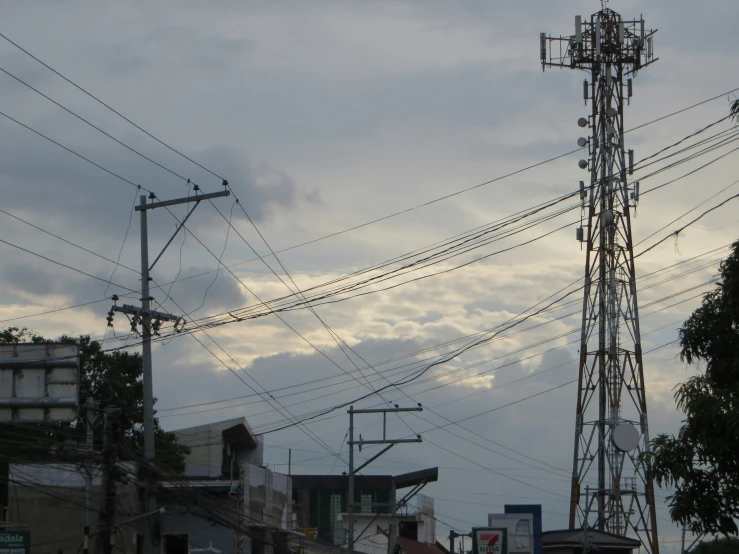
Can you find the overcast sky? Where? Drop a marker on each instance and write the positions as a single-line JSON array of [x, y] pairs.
[[324, 115]]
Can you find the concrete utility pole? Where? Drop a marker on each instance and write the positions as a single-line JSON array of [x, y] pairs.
[[611, 428], [392, 538], [107, 514], [350, 500], [150, 321], [90, 418]]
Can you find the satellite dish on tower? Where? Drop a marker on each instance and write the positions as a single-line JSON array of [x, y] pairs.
[[625, 437]]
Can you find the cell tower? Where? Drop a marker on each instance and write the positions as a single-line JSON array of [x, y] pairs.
[[610, 490]]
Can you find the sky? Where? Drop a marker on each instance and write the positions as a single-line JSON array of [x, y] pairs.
[[324, 116]]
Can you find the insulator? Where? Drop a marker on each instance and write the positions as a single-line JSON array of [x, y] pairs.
[[114, 298]]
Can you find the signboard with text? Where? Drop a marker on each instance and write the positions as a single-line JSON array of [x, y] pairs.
[[489, 541], [15, 542]]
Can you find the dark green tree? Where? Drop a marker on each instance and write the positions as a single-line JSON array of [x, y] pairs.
[[735, 110], [721, 546], [702, 461], [112, 379]]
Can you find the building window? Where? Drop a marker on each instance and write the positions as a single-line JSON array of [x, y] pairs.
[[335, 509], [522, 528], [365, 506]]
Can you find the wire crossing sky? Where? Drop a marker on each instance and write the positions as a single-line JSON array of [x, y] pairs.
[[408, 187]]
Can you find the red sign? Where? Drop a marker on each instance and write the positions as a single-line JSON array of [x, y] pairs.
[[489, 541], [491, 538]]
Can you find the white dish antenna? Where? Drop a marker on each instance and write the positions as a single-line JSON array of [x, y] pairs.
[[625, 437]]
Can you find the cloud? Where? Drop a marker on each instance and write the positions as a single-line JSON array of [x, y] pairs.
[[324, 117]]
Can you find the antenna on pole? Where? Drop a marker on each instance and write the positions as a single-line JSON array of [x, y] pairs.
[[611, 429]]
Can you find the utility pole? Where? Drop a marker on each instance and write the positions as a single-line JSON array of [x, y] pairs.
[[611, 428], [90, 417], [109, 476], [392, 538], [350, 500], [150, 322]]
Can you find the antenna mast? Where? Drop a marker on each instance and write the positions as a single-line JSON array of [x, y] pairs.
[[611, 420]]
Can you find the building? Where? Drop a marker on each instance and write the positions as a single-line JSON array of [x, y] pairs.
[[320, 500], [523, 525], [581, 541], [226, 502], [226, 498], [219, 449], [49, 501], [416, 531]]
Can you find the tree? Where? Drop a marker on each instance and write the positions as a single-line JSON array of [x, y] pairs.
[[112, 379], [735, 110], [721, 546], [702, 461]]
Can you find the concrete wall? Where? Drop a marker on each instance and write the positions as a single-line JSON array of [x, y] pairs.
[[51, 501], [202, 533], [267, 496], [267, 504], [373, 542], [206, 444]]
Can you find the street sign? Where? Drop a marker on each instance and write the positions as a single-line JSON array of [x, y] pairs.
[[39, 382], [15, 542], [488, 540]]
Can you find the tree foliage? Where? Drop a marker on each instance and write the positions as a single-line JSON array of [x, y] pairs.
[[702, 461], [110, 378], [721, 546]]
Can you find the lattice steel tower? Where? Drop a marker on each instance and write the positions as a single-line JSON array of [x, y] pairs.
[[610, 491]]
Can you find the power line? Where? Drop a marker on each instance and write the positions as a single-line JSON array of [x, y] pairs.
[[45, 258], [106, 105], [367, 223], [88, 160]]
